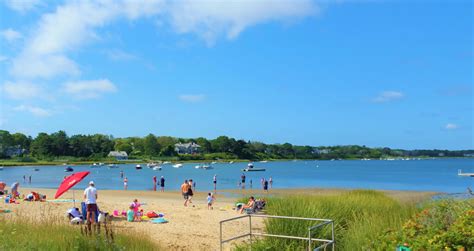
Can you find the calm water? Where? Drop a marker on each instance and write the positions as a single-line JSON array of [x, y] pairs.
[[423, 175]]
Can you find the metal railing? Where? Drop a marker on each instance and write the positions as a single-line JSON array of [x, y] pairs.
[[309, 238]]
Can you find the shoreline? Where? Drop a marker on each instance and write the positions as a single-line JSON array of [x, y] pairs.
[[144, 162]]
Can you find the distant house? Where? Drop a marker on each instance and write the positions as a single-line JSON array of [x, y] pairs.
[[187, 148], [321, 151], [13, 151], [118, 155]]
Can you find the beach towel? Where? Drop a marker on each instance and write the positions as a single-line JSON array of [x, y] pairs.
[[159, 221], [152, 214]]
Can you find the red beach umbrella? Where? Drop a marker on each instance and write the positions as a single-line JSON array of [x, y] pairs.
[[69, 182]]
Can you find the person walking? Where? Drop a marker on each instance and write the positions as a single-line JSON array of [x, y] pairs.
[[214, 180], [90, 197], [162, 183], [125, 183], [154, 183], [190, 191], [184, 192]]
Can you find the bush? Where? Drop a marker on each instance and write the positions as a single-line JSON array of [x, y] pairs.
[[444, 224]]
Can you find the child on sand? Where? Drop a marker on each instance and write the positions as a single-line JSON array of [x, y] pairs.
[[210, 200], [130, 214], [136, 206]]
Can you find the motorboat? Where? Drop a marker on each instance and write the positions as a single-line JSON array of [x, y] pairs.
[[198, 167], [179, 165], [251, 168], [1, 168], [138, 167], [206, 167], [151, 165], [214, 162], [101, 164], [166, 162], [460, 173], [113, 166], [264, 161], [36, 169], [95, 165], [68, 169], [157, 168], [231, 162]]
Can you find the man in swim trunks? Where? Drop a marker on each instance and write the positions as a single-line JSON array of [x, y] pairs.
[[90, 196], [184, 191], [162, 183], [215, 182]]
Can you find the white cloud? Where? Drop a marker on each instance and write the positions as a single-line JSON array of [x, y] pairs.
[[192, 98], [33, 66], [388, 96], [10, 35], [209, 19], [21, 90], [89, 89], [118, 55], [23, 5], [451, 126], [36, 111]]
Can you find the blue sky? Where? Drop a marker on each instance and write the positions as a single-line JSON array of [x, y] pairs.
[[375, 73]]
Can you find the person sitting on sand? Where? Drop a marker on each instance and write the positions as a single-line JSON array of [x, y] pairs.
[[249, 204], [130, 214], [136, 207]]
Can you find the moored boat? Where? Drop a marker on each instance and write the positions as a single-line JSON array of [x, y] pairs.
[[179, 165], [69, 169], [138, 167]]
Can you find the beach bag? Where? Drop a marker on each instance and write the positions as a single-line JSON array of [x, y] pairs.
[[101, 217], [152, 215]]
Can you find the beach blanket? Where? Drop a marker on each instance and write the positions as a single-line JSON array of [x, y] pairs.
[[3, 211], [61, 200], [159, 221]]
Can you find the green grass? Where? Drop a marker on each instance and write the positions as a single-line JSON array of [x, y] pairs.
[[359, 216], [47, 234]]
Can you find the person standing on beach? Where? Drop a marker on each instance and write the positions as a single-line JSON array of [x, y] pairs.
[[242, 177], [125, 183], [194, 186], [90, 197], [215, 182], [162, 183], [24, 178], [270, 181], [29, 179], [184, 192], [250, 183], [190, 191], [154, 183], [262, 181]]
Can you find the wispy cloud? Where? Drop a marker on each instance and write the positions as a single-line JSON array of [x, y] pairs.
[[388, 96], [119, 55], [89, 89], [21, 90], [10, 35], [34, 110], [23, 5], [192, 98], [451, 126]]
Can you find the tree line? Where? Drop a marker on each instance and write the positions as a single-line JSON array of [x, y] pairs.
[[98, 146]]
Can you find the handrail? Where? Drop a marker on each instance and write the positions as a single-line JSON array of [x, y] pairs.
[[326, 242]]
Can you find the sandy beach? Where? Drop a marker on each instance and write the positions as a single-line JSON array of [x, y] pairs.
[[189, 228]]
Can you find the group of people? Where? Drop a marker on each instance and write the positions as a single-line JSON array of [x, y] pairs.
[[266, 184], [187, 191], [155, 182]]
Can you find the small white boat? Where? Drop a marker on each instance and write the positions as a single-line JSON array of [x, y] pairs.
[[179, 165], [113, 166], [206, 167], [214, 162], [231, 162], [36, 169], [1, 168], [264, 161], [460, 173], [151, 165], [198, 167], [166, 162], [157, 168], [95, 165], [250, 168], [101, 164], [138, 167]]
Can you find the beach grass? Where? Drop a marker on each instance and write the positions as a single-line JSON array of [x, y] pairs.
[[359, 216], [50, 232]]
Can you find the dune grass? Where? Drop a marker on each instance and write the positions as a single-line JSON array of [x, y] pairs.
[[360, 216], [50, 233]]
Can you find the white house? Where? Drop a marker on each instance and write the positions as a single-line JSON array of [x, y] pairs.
[[119, 155], [187, 148]]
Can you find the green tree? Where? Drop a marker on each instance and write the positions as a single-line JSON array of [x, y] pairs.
[[42, 145], [168, 151], [151, 146], [59, 143], [205, 145]]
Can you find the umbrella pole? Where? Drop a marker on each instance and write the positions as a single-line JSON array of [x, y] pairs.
[[73, 198]]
